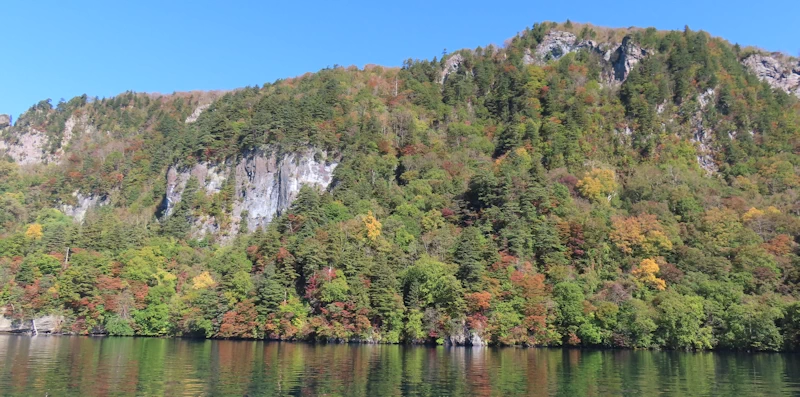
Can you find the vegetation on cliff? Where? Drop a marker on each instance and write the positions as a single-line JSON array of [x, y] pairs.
[[522, 202]]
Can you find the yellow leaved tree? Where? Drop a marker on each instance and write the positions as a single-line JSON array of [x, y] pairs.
[[34, 231], [203, 281], [373, 226], [646, 273], [598, 185], [639, 235]]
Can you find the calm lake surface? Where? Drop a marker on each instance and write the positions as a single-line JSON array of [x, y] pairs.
[[85, 366]]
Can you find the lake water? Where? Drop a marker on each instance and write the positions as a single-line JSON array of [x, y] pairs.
[[85, 366]]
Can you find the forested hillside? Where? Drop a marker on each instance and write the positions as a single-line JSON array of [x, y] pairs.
[[578, 186]]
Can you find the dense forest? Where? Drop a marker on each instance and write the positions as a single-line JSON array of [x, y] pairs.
[[479, 198]]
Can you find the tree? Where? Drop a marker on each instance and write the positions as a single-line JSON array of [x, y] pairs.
[[47, 264], [335, 288], [470, 257], [203, 281], [142, 264], [599, 185], [640, 235], [752, 326], [569, 297], [387, 302], [34, 231], [372, 226], [790, 326], [646, 274], [680, 322], [636, 325], [432, 283], [178, 223]]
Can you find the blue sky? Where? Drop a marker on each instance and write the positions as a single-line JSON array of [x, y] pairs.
[[60, 49]]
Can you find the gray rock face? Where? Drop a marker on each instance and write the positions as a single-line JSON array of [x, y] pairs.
[[83, 205], [702, 135], [555, 45], [528, 59], [465, 337], [209, 176], [196, 113], [265, 185], [5, 121], [451, 65], [620, 58], [778, 74], [69, 131], [605, 50], [28, 148], [476, 340], [44, 324], [30, 145], [626, 57], [211, 179]]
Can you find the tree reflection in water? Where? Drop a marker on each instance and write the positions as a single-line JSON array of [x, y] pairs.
[[83, 366]]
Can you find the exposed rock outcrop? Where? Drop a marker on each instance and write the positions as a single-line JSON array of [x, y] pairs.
[[69, 131], [5, 121], [702, 134], [555, 45], [210, 177], [27, 148], [204, 100], [82, 205], [626, 57], [528, 59], [778, 74], [620, 58], [31, 146], [196, 113], [44, 324], [465, 337], [605, 50], [265, 185], [451, 65]]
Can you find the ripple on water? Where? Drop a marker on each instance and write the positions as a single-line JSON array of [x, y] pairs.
[[83, 366]]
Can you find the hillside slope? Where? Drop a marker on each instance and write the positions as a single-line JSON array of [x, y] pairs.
[[580, 186]]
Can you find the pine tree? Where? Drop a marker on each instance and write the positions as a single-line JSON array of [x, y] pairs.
[[469, 255]]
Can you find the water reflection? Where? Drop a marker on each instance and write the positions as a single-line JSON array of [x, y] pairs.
[[83, 366]]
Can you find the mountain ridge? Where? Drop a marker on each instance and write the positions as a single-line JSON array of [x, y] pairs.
[[579, 186]]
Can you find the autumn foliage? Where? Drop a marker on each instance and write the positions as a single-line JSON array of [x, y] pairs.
[[486, 196]]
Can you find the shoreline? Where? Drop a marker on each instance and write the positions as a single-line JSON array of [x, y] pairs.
[[446, 345]]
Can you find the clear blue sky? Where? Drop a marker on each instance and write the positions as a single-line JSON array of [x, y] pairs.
[[60, 49]]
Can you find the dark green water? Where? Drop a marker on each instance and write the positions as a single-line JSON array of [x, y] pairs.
[[82, 366]]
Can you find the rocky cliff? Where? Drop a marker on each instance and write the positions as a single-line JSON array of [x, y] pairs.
[[82, 204], [778, 72], [702, 134], [31, 145], [265, 183], [43, 324], [27, 147], [619, 58]]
